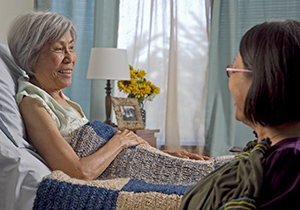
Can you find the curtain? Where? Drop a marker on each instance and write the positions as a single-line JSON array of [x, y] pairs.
[[230, 20], [169, 40], [97, 24], [105, 35]]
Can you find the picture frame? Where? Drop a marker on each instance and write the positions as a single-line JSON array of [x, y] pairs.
[[127, 113]]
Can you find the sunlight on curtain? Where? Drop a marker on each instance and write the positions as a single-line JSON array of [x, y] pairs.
[[145, 31], [231, 19]]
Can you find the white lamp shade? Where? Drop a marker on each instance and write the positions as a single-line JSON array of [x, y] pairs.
[[109, 64]]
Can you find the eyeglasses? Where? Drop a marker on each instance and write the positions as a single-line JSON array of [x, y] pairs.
[[229, 70]]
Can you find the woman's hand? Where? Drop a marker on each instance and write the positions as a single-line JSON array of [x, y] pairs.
[[128, 138], [187, 155]]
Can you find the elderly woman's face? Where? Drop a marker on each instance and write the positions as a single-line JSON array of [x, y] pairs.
[[54, 67], [239, 86]]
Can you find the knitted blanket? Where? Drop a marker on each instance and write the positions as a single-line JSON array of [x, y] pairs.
[[139, 177]]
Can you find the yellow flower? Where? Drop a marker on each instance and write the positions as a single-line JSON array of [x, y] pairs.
[[156, 90], [141, 74], [120, 85], [133, 74], [138, 87]]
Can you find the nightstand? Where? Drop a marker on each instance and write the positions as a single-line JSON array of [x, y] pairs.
[[148, 135]]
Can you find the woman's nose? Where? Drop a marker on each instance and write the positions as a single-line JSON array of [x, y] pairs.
[[69, 57]]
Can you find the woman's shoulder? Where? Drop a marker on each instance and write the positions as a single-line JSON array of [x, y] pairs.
[[282, 173], [283, 157], [25, 88], [287, 148], [287, 145], [30, 93], [29, 101]]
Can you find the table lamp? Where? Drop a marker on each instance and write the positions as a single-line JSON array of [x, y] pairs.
[[109, 64]]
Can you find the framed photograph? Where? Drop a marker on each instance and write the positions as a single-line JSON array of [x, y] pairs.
[[127, 113]]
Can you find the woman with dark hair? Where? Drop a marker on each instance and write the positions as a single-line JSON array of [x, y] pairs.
[[264, 82]]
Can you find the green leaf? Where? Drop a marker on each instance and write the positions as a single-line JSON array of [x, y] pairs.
[[131, 95], [140, 100]]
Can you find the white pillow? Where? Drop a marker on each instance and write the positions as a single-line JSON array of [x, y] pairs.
[[21, 168], [10, 118], [21, 172]]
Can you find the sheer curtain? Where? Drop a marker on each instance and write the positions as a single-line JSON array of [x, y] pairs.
[[231, 19], [169, 40]]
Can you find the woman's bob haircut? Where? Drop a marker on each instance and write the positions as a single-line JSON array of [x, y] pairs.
[[272, 51], [31, 31]]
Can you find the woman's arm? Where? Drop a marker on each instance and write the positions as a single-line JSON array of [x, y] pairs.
[[56, 151]]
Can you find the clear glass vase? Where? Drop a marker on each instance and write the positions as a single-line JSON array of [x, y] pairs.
[[143, 113]]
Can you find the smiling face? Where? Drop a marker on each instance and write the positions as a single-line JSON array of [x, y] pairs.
[[239, 85], [54, 67]]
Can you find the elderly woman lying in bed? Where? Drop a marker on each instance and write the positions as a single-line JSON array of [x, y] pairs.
[[45, 50]]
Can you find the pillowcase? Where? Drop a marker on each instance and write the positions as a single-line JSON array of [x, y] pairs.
[[21, 168], [11, 122], [21, 172]]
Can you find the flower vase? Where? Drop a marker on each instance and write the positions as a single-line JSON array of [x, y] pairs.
[[143, 113]]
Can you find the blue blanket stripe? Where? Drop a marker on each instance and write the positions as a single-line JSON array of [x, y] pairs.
[[139, 186], [54, 194], [103, 130]]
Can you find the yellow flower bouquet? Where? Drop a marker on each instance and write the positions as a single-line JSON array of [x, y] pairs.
[[138, 87]]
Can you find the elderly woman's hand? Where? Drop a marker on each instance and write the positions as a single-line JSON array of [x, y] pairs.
[[128, 138], [187, 155]]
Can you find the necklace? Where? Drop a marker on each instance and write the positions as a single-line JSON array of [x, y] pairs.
[[274, 136], [280, 133]]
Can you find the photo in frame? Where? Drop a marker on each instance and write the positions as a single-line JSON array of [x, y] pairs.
[[127, 113]]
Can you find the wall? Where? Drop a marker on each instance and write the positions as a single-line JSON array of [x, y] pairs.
[[9, 9]]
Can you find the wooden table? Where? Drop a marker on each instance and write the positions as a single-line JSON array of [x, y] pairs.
[[148, 135]]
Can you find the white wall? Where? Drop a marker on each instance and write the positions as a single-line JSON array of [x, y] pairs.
[[9, 9]]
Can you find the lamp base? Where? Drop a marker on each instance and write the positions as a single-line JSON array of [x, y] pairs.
[[108, 105], [109, 122]]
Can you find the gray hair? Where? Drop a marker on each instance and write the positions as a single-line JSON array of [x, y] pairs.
[[31, 31]]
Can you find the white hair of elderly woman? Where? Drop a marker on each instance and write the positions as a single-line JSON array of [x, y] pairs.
[[31, 31]]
